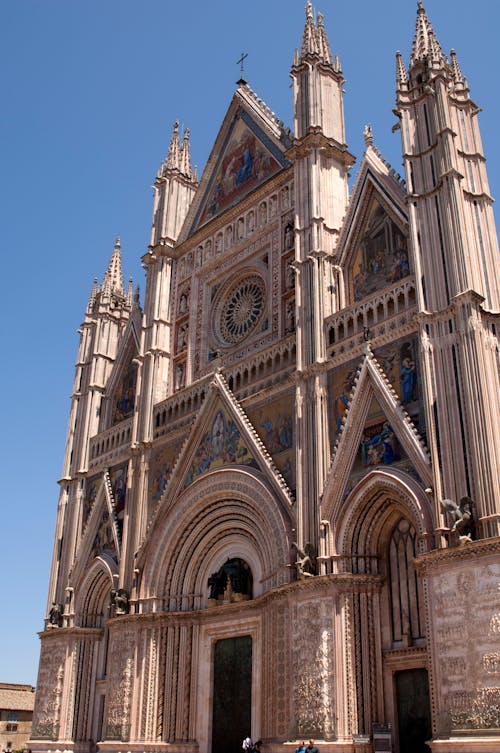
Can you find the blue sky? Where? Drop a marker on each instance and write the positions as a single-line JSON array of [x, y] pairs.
[[90, 91]]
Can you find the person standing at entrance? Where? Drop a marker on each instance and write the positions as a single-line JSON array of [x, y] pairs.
[[311, 748], [301, 747]]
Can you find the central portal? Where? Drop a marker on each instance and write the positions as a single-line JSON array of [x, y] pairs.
[[232, 696]]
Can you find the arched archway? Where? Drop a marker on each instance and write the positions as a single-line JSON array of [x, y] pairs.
[[91, 604], [382, 526], [226, 514]]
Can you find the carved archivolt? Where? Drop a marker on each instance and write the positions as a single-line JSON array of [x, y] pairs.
[[223, 515], [93, 591], [381, 496]]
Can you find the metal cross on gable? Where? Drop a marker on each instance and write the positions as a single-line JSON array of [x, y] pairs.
[[241, 61]]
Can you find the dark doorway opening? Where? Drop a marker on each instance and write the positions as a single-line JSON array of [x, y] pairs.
[[232, 696], [414, 712]]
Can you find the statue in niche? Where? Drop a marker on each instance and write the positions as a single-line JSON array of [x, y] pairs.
[[288, 237], [285, 198], [462, 516], [218, 243], [183, 302], [306, 560], [232, 583], [263, 213], [182, 338], [229, 236], [251, 222], [290, 276], [56, 615], [119, 599], [179, 376]]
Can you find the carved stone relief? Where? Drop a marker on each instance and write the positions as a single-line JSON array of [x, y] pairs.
[[313, 670], [46, 716], [120, 678], [466, 614]]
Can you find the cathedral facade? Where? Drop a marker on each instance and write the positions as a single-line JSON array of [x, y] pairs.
[[279, 514]]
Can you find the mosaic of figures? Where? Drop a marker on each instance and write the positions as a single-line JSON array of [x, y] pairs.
[[399, 363], [125, 395], [104, 541], [161, 468], [274, 425], [245, 164], [381, 257], [221, 445]]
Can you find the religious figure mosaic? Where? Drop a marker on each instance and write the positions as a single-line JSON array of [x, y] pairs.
[[382, 255], [246, 162], [221, 445]]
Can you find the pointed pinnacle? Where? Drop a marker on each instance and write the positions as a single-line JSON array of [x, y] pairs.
[[113, 279], [455, 68], [401, 75], [425, 43], [185, 165], [323, 44], [309, 37], [174, 148], [130, 291]]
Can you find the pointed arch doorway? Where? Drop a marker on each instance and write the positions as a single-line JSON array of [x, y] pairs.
[[232, 693]]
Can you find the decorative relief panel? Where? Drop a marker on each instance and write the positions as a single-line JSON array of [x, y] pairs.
[[120, 679], [313, 670], [466, 614], [46, 716]]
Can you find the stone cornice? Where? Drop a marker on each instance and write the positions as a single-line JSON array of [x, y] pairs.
[[71, 632], [344, 583], [426, 563]]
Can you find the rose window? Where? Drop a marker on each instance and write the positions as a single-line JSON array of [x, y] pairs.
[[241, 309]]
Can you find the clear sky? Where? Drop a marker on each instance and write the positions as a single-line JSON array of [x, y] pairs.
[[90, 91]]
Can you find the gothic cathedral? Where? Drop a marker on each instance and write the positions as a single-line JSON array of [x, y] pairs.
[[279, 515]]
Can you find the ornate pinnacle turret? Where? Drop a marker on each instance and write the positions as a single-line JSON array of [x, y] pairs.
[[130, 290], [455, 68], [315, 39], [309, 40], [172, 162], [401, 75], [324, 46], [185, 162], [113, 279], [93, 294], [425, 43]]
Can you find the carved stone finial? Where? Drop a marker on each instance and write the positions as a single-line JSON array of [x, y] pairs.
[[368, 135]]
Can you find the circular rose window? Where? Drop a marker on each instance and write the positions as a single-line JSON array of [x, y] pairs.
[[241, 309]]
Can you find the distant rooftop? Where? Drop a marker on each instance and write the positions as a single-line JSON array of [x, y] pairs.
[[15, 697]]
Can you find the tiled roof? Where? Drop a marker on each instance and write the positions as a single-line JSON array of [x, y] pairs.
[[16, 697]]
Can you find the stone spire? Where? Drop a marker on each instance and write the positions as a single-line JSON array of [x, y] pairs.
[[323, 44], [173, 155], [309, 39], [425, 43], [456, 71], [315, 39], [185, 161], [113, 279], [401, 75]]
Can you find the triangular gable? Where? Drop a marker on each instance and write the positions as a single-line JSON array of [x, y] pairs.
[[372, 385], [100, 534], [222, 437], [248, 150], [373, 244]]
